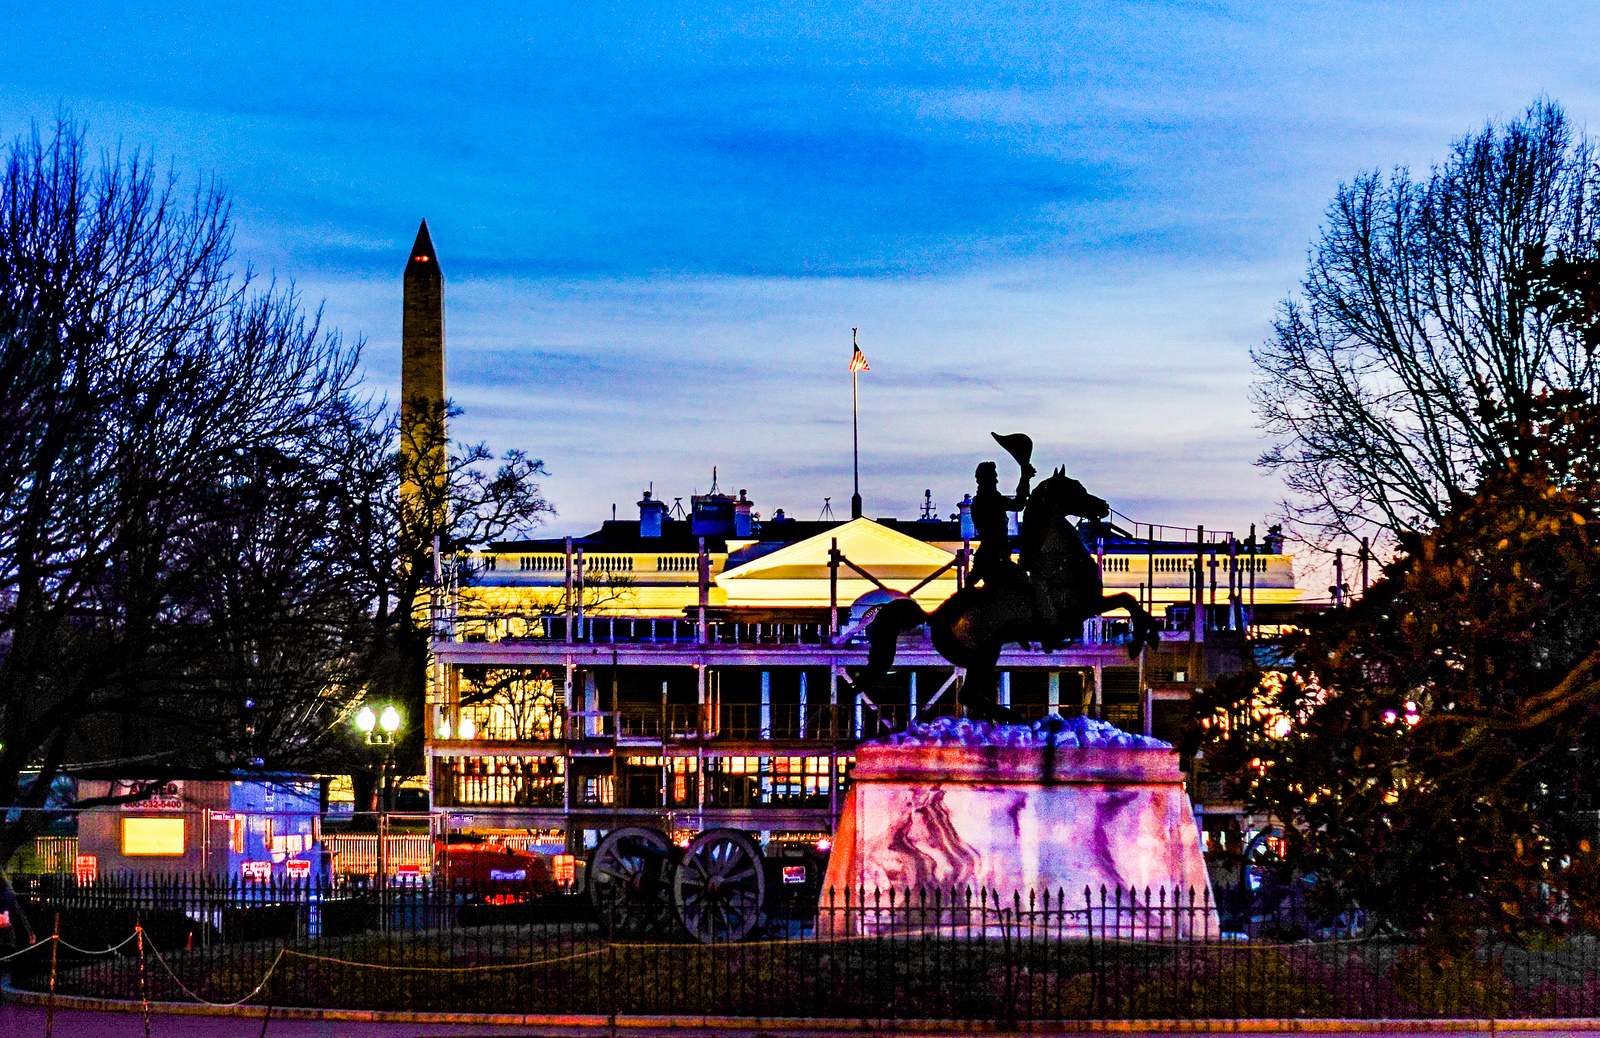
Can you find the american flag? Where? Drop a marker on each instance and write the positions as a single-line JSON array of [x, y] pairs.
[[858, 361]]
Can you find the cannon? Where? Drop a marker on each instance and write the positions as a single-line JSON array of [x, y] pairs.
[[719, 888]]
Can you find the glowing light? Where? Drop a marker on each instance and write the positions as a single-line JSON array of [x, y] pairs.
[[152, 837], [366, 719], [1389, 717], [824, 844], [444, 729], [468, 730], [390, 719]]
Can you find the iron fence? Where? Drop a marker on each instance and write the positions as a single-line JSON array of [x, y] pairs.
[[963, 956]]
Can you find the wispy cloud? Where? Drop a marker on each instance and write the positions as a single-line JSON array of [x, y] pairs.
[[658, 222]]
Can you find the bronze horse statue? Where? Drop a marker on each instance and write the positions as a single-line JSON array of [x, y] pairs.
[[970, 627]]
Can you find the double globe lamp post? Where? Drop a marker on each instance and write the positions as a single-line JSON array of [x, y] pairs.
[[379, 730]]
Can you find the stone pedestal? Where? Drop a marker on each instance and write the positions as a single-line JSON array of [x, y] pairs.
[[1018, 816]]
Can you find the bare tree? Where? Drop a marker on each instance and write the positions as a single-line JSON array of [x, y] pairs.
[[420, 502], [211, 548], [1389, 385], [170, 576]]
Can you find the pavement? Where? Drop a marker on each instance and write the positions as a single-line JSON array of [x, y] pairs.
[[29, 1021]]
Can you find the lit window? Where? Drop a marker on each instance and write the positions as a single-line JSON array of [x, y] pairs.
[[152, 837]]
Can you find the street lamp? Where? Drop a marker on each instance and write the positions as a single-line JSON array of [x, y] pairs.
[[378, 729]]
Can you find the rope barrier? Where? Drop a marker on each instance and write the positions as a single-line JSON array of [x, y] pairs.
[[103, 951], [444, 969], [965, 930], [608, 946], [55, 939], [271, 967], [284, 953]]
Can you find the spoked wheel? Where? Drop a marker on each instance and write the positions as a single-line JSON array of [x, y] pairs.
[[721, 886], [629, 880]]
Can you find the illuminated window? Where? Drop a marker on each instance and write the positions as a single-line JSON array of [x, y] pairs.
[[599, 790], [152, 837]]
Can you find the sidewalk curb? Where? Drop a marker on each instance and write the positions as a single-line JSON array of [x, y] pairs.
[[578, 1022]]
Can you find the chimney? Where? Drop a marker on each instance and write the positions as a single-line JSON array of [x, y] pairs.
[[741, 515], [968, 531], [652, 514]]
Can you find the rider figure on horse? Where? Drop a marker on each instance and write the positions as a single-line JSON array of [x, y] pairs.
[[1057, 586], [992, 564]]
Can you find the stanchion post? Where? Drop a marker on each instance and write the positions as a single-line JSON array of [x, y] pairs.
[[50, 1002], [144, 988]]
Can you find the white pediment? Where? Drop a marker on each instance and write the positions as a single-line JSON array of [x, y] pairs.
[[887, 554]]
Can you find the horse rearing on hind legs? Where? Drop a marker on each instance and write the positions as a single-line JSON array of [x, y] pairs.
[[1057, 588]]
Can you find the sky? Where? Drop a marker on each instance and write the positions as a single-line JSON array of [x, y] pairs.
[[658, 223]]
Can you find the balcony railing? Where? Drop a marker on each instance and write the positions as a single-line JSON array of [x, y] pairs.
[[667, 631], [824, 722], [626, 630]]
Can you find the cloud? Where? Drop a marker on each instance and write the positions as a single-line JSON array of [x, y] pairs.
[[658, 222]]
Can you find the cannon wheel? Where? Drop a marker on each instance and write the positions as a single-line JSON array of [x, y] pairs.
[[720, 886], [629, 880]]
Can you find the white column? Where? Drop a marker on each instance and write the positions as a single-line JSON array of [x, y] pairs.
[[912, 716], [567, 689], [591, 703], [1055, 692], [766, 704], [1005, 688], [802, 704]]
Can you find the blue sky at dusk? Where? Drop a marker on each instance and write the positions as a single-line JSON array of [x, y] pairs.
[[658, 223]]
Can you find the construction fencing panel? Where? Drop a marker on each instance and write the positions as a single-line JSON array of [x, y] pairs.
[[358, 852]]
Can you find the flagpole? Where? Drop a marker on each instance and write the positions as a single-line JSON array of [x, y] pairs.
[[855, 432]]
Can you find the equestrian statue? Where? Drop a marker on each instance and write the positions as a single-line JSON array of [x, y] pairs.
[[1045, 597]]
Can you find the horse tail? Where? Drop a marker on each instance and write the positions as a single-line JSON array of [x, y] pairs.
[[893, 617]]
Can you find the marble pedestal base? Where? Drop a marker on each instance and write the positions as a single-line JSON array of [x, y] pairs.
[[1056, 817]]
